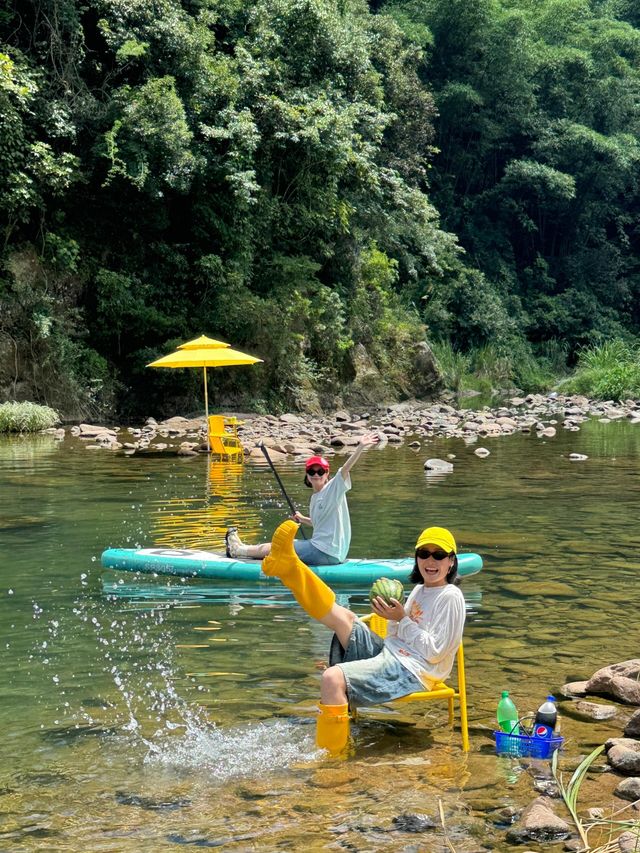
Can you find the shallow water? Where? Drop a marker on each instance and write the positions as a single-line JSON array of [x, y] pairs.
[[147, 714]]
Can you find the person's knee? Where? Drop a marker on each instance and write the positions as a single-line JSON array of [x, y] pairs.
[[333, 680]]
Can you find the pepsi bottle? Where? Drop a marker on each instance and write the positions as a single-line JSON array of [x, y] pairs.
[[546, 719]]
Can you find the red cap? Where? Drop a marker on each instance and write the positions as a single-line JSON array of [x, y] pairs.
[[320, 461]]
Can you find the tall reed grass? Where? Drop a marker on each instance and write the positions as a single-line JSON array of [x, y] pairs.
[[608, 371], [26, 417]]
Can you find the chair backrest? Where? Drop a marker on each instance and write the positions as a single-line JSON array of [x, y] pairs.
[[216, 425]]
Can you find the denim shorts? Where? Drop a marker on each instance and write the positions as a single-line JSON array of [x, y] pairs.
[[313, 556], [372, 673]]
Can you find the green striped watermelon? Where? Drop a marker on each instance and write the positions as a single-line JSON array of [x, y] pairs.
[[387, 589]]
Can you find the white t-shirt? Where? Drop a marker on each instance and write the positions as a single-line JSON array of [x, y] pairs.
[[427, 639], [329, 515]]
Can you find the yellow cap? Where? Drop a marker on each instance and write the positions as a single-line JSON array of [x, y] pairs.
[[437, 536]]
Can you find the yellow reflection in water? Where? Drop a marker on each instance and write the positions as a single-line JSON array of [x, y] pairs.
[[200, 522]]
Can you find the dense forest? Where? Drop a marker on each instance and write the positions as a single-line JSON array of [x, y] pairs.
[[316, 182]]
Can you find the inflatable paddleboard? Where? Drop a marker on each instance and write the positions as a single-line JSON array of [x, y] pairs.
[[208, 564]]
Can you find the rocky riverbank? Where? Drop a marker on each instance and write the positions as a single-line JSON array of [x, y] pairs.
[[294, 436]]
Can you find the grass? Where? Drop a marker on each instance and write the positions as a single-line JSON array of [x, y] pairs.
[[490, 368], [26, 417], [614, 827], [609, 371]]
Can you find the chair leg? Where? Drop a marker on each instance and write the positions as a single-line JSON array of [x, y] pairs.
[[462, 690], [450, 702]]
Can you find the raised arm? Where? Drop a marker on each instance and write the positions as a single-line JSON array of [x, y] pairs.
[[367, 440]]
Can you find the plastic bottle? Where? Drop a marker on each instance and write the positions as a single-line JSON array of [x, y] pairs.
[[546, 718], [507, 715]]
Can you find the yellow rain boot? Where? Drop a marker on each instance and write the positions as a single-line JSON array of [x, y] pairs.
[[332, 729], [312, 594]]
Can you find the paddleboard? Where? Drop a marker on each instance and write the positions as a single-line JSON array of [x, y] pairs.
[[208, 564]]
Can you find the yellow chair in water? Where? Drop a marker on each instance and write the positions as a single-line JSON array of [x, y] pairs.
[[224, 443], [378, 625]]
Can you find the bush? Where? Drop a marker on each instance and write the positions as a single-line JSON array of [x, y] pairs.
[[26, 417], [609, 371]]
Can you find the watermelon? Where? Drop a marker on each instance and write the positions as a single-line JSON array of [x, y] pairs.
[[387, 589]]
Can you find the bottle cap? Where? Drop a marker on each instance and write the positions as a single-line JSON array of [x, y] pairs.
[[551, 698], [505, 693]]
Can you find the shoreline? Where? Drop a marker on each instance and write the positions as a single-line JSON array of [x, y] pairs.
[[294, 437]]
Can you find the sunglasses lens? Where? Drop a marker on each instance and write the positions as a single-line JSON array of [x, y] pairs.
[[424, 554], [315, 472]]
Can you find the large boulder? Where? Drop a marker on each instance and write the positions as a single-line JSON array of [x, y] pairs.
[[368, 386], [620, 680], [426, 378]]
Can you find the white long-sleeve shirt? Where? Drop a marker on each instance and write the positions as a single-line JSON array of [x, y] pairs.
[[426, 640]]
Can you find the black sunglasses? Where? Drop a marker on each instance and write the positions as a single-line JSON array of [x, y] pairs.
[[316, 472], [424, 554]]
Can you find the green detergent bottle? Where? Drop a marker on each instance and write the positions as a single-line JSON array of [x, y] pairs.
[[507, 715]]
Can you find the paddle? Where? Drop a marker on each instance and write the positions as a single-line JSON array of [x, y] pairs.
[[282, 488]]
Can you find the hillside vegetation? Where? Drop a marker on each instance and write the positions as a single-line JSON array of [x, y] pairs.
[[312, 181]]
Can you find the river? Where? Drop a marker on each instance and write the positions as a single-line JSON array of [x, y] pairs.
[[141, 714]]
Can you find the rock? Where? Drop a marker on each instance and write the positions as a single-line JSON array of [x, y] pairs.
[[629, 842], [573, 845], [291, 419], [594, 711], [547, 432], [624, 754], [539, 823], [621, 680], [578, 457], [90, 431], [426, 378], [368, 386], [482, 452], [629, 789], [632, 729], [573, 688], [186, 451], [438, 465], [342, 416], [413, 822], [595, 814]]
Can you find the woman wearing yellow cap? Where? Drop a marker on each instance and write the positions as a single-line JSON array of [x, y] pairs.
[[423, 635]]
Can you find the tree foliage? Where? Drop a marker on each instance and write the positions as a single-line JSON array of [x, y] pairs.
[[302, 176]]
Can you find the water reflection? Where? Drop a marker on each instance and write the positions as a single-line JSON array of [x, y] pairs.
[[200, 522]]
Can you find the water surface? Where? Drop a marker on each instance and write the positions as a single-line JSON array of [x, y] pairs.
[[157, 714]]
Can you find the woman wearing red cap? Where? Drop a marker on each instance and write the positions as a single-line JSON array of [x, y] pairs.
[[328, 514]]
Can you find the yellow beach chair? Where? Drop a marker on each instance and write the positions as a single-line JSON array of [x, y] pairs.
[[224, 443], [440, 690]]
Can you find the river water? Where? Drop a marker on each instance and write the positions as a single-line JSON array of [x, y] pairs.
[[146, 714]]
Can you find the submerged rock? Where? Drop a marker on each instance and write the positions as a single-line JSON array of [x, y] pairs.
[[593, 710], [413, 822], [539, 823]]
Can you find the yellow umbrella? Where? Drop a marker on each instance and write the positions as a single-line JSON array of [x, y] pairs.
[[204, 352]]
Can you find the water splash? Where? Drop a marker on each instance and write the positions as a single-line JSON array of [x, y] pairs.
[[252, 750]]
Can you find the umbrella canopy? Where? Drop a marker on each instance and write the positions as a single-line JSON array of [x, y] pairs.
[[204, 352], [205, 357], [203, 341]]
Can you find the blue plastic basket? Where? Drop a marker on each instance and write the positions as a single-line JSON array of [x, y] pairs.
[[526, 745]]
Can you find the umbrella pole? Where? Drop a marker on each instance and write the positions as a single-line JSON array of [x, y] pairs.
[[206, 409]]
